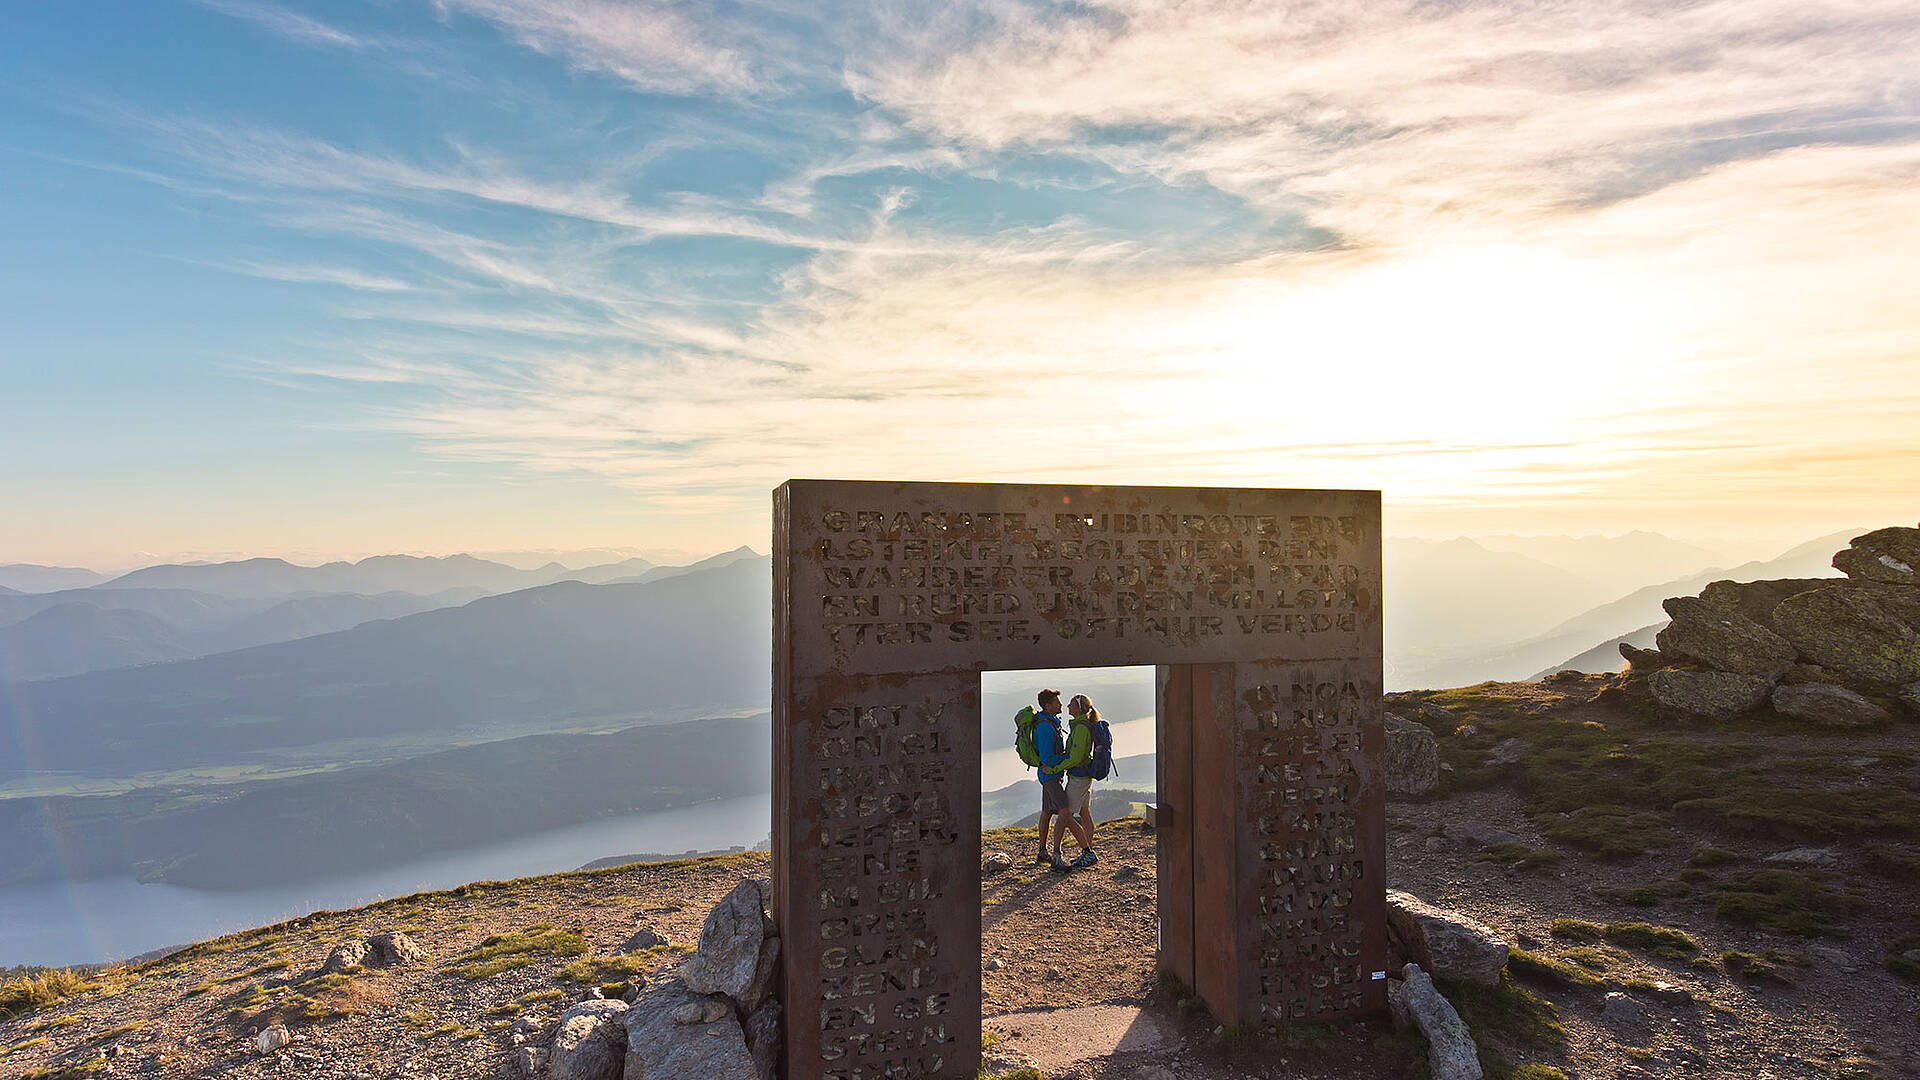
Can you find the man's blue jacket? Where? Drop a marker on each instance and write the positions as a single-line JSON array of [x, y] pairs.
[[1048, 744]]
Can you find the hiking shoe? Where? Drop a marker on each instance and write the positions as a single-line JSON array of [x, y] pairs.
[[1085, 859], [1043, 858], [1060, 865]]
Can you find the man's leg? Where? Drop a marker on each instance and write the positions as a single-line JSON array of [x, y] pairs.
[[1046, 819]]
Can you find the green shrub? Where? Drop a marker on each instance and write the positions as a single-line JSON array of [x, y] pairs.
[[1896, 864], [1596, 957], [1711, 856], [1896, 959], [26, 993], [1809, 813], [1509, 1011], [1580, 930], [1533, 965], [1639, 935], [1768, 965], [1518, 856], [504, 952], [1793, 901], [599, 969], [1609, 831]]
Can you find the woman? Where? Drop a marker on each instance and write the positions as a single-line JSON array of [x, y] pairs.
[[1080, 776]]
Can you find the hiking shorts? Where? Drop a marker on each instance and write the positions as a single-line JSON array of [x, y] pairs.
[[1053, 796], [1079, 790]]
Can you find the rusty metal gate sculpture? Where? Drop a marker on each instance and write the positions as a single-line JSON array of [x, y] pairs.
[[1261, 609]]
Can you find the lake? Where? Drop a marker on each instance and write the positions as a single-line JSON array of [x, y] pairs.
[[111, 918]]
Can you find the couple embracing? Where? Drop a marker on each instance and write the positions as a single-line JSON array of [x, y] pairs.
[[1069, 763]]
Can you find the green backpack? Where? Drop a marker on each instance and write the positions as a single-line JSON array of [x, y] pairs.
[[1023, 737]]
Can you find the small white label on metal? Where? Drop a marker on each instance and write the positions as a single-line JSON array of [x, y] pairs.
[[1379, 975]]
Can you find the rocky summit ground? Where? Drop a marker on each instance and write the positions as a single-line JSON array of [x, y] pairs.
[[1685, 899]]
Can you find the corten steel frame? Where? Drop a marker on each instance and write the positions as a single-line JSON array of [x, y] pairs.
[[1261, 609]]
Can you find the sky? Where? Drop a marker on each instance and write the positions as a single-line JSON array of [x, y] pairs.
[[382, 275]]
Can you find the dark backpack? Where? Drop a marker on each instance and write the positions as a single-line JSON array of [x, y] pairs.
[[1101, 763]]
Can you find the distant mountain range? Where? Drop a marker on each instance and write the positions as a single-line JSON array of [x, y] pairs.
[[1615, 564], [181, 611], [1558, 645], [27, 578], [547, 658]]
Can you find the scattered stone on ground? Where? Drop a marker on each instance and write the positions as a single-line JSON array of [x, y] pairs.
[[394, 948], [643, 937], [347, 954], [1451, 1052], [1622, 1011], [1507, 751], [1824, 858], [1827, 705], [272, 1039], [1446, 943], [590, 1042]]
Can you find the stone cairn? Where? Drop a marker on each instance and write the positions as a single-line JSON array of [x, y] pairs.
[[716, 1018], [1836, 652]]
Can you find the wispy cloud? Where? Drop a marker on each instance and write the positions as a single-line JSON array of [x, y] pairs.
[[1382, 120], [344, 276], [655, 46], [288, 24], [1475, 253]]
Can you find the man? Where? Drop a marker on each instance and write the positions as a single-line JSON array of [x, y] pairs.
[[1052, 750]]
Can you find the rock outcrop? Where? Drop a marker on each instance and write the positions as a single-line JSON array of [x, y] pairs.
[[1413, 757], [669, 1037], [590, 1042], [719, 1017], [380, 950], [1722, 639], [1891, 556], [1828, 706], [1716, 695], [736, 954], [1450, 945], [345, 956], [1838, 652], [389, 949]]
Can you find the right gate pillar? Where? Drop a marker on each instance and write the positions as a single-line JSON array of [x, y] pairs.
[[1271, 837]]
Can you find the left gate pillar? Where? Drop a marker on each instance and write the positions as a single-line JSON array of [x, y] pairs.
[[876, 849]]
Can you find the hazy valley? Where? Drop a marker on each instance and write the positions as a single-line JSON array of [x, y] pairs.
[[253, 725]]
